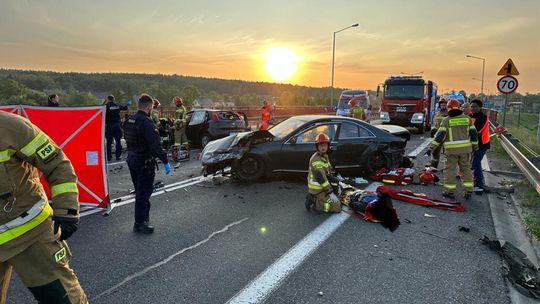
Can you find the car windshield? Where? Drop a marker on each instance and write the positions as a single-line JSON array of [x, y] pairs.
[[286, 127], [397, 91]]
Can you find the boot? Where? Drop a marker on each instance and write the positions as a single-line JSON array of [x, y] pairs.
[[309, 202], [143, 228], [448, 195], [467, 195]]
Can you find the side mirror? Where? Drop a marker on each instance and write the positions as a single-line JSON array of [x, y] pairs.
[[292, 140], [378, 90]]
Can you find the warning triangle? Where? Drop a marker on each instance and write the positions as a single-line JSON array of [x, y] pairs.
[[509, 68]]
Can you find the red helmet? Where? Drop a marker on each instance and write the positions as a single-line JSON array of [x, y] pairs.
[[177, 100], [156, 102], [322, 138], [352, 102], [453, 104]]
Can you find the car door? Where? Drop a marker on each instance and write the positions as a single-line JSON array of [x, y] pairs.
[[353, 140], [195, 126], [299, 148]]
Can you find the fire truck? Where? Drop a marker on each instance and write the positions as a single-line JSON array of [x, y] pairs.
[[408, 101]]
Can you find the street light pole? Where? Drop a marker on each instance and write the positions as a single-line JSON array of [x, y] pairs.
[[333, 62], [483, 67]]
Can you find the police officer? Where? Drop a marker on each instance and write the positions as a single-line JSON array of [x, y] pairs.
[[33, 231], [436, 155], [460, 139], [320, 192], [356, 111], [113, 130], [53, 101], [180, 123], [144, 145]]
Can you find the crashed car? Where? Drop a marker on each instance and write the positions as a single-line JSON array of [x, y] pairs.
[[356, 147]]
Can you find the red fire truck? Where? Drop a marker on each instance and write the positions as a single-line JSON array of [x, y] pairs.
[[408, 101]]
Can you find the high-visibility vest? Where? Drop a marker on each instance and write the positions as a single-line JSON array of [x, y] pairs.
[[483, 133]]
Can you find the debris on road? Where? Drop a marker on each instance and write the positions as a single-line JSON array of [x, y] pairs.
[[519, 270], [408, 221], [320, 293], [429, 215], [464, 229]]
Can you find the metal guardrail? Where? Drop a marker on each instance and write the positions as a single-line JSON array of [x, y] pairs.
[[524, 164]]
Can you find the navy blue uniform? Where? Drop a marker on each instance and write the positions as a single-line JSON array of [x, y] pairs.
[[113, 130], [144, 145]]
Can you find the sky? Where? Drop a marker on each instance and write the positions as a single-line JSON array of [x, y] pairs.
[[229, 39]]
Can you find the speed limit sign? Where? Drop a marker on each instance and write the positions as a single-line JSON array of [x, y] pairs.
[[507, 84]]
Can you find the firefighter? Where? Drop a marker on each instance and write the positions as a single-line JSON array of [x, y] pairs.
[[435, 156], [320, 192], [180, 122], [113, 128], [356, 111], [144, 146], [460, 139], [155, 111], [33, 232], [481, 123], [266, 116]]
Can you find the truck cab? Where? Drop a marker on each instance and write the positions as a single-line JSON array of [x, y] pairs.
[[408, 101]]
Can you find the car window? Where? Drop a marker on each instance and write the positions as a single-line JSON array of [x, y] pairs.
[[227, 116], [363, 132], [197, 118], [348, 130], [310, 135], [286, 127]]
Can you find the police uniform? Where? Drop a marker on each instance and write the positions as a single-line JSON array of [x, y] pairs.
[[436, 154], [180, 137], [113, 130], [144, 146], [459, 136], [318, 185], [358, 113], [30, 242]]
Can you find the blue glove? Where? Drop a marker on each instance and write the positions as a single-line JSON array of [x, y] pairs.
[[167, 168]]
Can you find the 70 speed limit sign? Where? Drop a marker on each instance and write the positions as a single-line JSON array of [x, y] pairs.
[[507, 84]]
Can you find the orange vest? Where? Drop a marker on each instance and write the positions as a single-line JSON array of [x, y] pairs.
[[483, 133]]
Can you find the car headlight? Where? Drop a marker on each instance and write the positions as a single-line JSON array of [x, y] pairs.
[[417, 118], [385, 117]]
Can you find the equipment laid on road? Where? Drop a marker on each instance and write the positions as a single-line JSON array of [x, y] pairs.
[[427, 177], [421, 199], [518, 269], [399, 176]]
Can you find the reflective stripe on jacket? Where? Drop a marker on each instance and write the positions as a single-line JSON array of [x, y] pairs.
[[458, 135], [319, 165]]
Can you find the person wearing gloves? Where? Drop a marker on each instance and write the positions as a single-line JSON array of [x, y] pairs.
[[320, 192], [33, 230], [143, 145]]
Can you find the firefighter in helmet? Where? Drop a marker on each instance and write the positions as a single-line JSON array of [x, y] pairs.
[[180, 123], [320, 192], [435, 156], [32, 230], [459, 137], [356, 111], [155, 111]]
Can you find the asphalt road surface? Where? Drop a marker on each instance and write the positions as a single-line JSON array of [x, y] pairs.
[[217, 241]]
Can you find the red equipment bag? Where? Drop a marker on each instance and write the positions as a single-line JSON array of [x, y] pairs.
[[421, 199], [399, 176]]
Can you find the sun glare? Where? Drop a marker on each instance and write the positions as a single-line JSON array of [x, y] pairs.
[[280, 63]]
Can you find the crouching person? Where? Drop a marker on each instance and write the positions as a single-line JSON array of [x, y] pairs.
[[321, 195]]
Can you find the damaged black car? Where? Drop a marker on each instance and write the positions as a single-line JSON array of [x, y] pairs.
[[356, 148]]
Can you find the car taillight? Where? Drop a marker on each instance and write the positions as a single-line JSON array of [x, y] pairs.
[[215, 117]]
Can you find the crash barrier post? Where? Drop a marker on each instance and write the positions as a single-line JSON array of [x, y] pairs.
[[524, 164], [81, 136]]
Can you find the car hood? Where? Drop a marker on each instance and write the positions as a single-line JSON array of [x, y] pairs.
[[393, 129], [233, 146]]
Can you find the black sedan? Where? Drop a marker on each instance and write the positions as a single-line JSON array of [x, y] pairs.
[[357, 147]]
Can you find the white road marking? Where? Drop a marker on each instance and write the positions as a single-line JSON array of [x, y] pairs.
[[485, 164], [420, 148], [112, 164], [167, 260], [270, 279], [128, 199]]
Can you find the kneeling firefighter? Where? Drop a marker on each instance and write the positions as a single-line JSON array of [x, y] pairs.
[[321, 194]]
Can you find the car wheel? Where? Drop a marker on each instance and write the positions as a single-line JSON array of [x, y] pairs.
[[205, 139], [376, 161], [249, 168]]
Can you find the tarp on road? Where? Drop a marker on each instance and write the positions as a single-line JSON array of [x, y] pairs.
[[79, 132]]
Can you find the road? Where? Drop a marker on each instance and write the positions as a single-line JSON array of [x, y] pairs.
[[217, 239]]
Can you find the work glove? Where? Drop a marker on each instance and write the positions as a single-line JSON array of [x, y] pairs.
[[333, 198], [67, 226], [167, 168], [433, 132]]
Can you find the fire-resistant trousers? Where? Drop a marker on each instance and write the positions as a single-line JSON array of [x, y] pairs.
[[452, 164]]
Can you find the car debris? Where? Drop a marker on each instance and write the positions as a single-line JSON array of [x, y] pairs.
[[464, 229]]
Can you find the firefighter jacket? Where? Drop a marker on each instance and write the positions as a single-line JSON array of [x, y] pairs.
[[358, 113], [155, 116], [481, 123], [25, 212], [180, 113], [439, 118], [319, 169], [458, 134]]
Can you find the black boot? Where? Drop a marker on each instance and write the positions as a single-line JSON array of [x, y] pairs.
[[143, 228], [310, 202]]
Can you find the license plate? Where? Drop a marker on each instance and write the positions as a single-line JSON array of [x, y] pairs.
[[401, 109]]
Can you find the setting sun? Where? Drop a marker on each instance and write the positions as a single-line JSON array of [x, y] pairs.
[[280, 63]]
